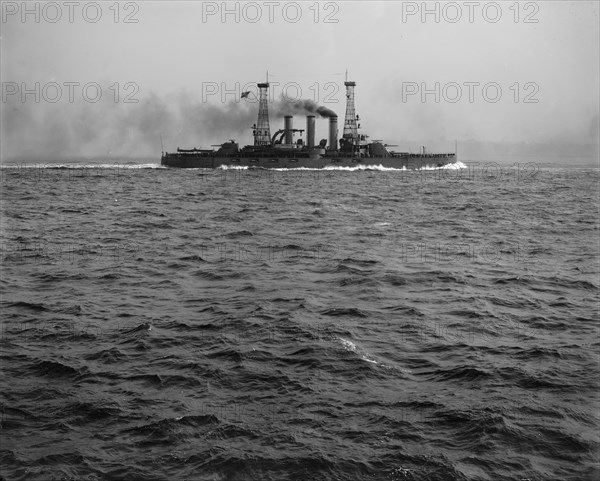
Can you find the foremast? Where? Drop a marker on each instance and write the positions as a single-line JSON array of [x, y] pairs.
[[262, 130]]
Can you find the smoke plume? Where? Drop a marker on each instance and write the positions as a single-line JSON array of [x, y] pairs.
[[284, 107], [55, 131]]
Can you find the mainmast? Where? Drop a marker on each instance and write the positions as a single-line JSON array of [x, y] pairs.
[[350, 124], [262, 131]]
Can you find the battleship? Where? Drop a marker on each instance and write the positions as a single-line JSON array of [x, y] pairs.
[[283, 151]]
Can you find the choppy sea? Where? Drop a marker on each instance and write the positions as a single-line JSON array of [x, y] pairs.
[[164, 324]]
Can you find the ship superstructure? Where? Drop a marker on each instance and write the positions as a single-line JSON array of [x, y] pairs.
[[280, 150]]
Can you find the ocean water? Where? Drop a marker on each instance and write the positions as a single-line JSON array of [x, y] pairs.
[[164, 324]]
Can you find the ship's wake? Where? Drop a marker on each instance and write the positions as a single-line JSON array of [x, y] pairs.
[[363, 167]]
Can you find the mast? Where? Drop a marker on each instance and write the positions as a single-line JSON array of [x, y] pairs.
[[262, 131], [350, 125]]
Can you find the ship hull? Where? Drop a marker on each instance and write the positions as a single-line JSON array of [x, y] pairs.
[[408, 162]]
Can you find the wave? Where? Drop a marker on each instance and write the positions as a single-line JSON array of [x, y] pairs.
[[232, 167], [358, 168], [364, 355], [28, 305], [383, 349]]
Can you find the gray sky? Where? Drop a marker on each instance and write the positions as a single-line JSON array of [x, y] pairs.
[[179, 50]]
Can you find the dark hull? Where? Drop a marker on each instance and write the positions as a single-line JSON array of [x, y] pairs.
[[415, 161]]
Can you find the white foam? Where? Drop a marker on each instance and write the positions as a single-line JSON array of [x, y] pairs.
[[350, 346], [453, 166], [286, 169], [365, 356], [232, 167], [357, 168], [363, 167]]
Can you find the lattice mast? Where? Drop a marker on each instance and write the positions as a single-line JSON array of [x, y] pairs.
[[262, 131], [350, 124]]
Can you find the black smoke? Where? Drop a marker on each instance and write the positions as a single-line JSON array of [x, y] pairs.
[[53, 131], [284, 107]]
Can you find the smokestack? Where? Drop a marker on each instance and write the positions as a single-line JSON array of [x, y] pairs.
[[310, 131], [288, 126], [333, 133]]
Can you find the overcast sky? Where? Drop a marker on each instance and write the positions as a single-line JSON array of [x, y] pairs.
[[179, 58]]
